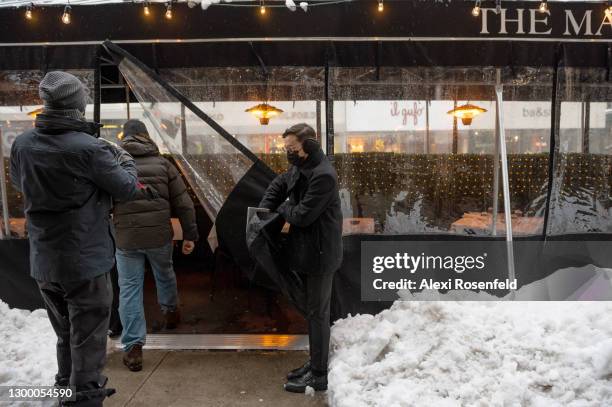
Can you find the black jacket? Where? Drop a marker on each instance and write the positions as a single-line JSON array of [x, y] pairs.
[[67, 177], [313, 211], [145, 224]]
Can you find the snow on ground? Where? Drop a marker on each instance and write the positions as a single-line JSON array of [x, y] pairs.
[[540, 354], [27, 348]]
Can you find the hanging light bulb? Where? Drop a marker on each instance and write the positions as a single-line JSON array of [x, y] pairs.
[[543, 6], [381, 6], [169, 10], [66, 14], [146, 10], [609, 9], [498, 6], [476, 9], [262, 8], [28, 13]]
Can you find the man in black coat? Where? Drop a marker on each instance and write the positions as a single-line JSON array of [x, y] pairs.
[[306, 196], [68, 178], [144, 232]]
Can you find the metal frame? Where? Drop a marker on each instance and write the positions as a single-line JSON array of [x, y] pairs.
[[499, 97], [224, 342], [315, 39], [6, 232], [555, 122]]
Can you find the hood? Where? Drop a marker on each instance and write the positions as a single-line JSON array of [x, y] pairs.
[[59, 124], [312, 161], [139, 146]]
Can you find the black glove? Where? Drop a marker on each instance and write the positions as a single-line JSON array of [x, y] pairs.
[[150, 193], [146, 192]]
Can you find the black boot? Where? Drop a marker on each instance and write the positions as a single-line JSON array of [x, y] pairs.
[[318, 383], [61, 381], [299, 372], [91, 394]]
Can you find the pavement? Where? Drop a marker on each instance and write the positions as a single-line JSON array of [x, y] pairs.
[[207, 378]]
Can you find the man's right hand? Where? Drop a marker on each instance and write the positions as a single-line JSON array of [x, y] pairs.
[[147, 192]]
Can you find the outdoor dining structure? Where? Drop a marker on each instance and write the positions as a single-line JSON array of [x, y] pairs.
[[444, 123]]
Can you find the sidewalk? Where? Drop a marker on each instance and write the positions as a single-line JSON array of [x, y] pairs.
[[207, 378]]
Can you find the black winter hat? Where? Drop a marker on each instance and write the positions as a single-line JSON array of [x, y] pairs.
[[133, 127]]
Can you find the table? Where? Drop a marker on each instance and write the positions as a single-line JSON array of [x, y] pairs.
[[479, 223]]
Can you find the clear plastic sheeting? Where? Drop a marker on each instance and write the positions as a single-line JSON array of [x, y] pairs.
[[580, 196], [407, 166], [214, 170], [225, 93]]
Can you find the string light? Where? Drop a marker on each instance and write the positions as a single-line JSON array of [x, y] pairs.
[[169, 10], [381, 6], [28, 13], [146, 8], [543, 6], [476, 9], [66, 14], [262, 8], [609, 9], [498, 6]]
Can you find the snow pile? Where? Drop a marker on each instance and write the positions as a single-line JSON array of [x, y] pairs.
[[540, 354], [27, 351]]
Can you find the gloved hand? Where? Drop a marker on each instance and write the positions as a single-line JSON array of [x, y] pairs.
[[146, 192], [150, 193]]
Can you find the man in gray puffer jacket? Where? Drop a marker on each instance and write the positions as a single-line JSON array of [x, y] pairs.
[[144, 231]]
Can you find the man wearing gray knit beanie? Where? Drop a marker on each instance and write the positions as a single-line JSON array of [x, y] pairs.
[[69, 178], [63, 94]]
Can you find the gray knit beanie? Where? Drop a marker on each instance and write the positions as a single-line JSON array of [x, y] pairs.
[[61, 90]]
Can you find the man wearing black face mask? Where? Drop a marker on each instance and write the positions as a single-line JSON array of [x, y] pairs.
[[306, 196]]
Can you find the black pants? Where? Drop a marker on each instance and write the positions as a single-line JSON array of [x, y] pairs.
[[318, 299], [79, 312]]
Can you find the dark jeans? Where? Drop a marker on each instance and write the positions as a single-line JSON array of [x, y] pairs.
[[79, 313], [318, 299]]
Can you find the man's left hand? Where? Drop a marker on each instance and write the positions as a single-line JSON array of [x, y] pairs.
[[188, 246]]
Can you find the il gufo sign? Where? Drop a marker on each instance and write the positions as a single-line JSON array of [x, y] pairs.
[[414, 115], [558, 21]]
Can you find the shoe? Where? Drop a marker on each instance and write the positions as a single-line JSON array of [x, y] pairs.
[[318, 383], [133, 358], [299, 372], [171, 319]]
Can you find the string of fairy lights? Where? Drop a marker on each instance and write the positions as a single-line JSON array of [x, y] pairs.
[[66, 16]]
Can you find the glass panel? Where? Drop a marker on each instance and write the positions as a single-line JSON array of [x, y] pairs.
[[19, 102], [580, 201], [407, 166]]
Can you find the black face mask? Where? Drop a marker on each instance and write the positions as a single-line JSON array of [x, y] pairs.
[[294, 158]]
